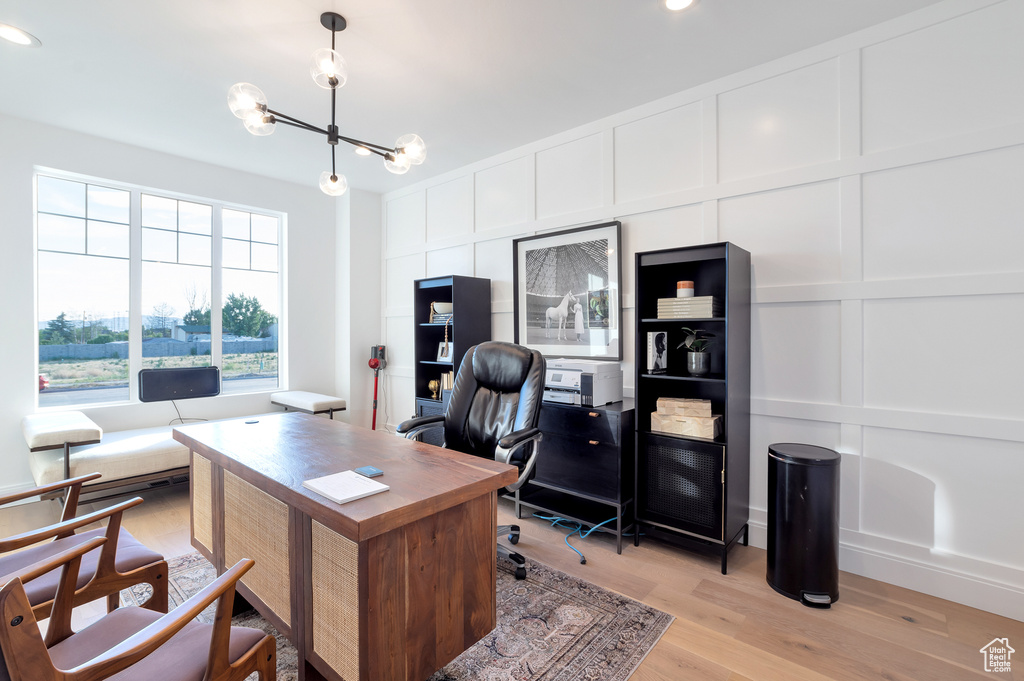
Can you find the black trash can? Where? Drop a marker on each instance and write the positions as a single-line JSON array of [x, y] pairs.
[[803, 523]]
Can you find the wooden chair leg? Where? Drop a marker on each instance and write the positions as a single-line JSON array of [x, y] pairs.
[[113, 601], [158, 601]]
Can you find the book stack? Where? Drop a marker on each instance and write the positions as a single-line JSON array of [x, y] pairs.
[[447, 380], [689, 308], [438, 318], [684, 416]]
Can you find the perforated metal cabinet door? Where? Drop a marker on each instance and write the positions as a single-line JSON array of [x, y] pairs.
[[434, 436], [680, 485]]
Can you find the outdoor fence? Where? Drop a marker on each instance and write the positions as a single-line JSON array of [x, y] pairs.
[[167, 348]]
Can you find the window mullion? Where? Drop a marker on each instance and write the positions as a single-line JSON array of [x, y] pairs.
[[135, 293], [216, 318]]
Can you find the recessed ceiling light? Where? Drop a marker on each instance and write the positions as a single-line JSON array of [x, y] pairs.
[[362, 151], [676, 5], [17, 36]]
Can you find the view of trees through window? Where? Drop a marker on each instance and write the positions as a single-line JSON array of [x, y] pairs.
[[85, 233]]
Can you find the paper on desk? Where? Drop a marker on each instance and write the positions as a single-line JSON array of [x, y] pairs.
[[345, 486]]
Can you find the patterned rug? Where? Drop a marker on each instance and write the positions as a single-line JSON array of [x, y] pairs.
[[551, 627]]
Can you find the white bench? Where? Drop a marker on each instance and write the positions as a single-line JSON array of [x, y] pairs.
[[68, 444], [309, 403]]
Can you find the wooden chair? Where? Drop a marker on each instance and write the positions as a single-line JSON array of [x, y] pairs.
[[128, 643], [122, 562]]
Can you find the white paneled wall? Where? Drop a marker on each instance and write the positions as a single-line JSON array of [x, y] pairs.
[[659, 154], [788, 121], [876, 182]]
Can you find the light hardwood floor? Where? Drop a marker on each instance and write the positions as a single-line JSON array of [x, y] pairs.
[[727, 628]]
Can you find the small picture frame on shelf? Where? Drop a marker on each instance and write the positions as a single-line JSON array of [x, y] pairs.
[[444, 352], [657, 352]]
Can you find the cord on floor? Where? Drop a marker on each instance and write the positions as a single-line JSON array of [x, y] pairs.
[[575, 527]]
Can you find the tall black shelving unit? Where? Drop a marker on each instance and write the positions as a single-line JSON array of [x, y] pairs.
[[691, 491], [470, 324]]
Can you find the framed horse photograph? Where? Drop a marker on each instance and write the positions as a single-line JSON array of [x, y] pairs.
[[568, 299]]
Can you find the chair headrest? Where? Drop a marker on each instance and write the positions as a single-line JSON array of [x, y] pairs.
[[500, 366]]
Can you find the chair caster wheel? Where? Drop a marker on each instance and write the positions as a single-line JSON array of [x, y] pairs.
[[520, 573], [513, 538]]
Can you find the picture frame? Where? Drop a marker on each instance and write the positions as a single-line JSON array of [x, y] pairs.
[[584, 321], [444, 352]]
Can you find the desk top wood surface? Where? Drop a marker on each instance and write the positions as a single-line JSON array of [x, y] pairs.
[[280, 451]]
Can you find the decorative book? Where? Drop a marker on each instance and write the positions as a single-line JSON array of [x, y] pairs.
[[657, 352], [345, 486]]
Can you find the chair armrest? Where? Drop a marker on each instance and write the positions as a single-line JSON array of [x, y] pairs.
[[65, 527], [510, 444], [45, 489], [136, 647], [516, 439], [411, 428], [50, 563]]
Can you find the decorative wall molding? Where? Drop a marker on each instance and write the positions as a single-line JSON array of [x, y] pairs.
[[816, 230]]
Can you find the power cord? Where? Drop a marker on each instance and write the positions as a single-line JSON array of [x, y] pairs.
[[181, 420], [384, 399], [575, 527]]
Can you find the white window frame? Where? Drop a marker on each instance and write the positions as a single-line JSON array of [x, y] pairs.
[[135, 279]]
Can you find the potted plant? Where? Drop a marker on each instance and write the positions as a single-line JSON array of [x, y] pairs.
[[697, 342]]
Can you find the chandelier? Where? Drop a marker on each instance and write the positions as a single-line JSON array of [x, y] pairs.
[[329, 71]]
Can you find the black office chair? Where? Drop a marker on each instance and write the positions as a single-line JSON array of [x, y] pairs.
[[493, 413]]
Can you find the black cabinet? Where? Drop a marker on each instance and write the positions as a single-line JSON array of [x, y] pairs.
[[470, 324], [694, 491], [585, 467]]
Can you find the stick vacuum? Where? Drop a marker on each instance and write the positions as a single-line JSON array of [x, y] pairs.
[[377, 362]]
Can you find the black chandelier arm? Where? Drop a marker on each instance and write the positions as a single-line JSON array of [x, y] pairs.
[[372, 148], [294, 122]]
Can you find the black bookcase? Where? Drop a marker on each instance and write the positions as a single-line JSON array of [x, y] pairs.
[[690, 491], [470, 324]]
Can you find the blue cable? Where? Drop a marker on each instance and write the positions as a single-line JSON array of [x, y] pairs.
[[576, 527]]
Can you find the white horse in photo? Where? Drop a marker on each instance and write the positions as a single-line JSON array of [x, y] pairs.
[[560, 314]]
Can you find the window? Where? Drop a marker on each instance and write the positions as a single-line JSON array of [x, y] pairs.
[[251, 303], [195, 261]]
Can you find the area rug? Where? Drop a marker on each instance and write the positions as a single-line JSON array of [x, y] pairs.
[[551, 627]]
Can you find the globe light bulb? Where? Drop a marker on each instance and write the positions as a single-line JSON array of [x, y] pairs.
[[333, 185], [328, 69], [244, 98], [676, 5], [259, 123], [400, 166], [413, 148]]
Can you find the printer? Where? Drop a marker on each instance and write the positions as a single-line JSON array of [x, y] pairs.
[[584, 382]]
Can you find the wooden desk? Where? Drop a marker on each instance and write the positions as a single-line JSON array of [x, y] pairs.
[[392, 586]]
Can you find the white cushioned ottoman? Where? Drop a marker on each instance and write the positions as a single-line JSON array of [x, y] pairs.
[[51, 430], [310, 403]]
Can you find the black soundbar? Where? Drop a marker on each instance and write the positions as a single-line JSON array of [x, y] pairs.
[[156, 385]]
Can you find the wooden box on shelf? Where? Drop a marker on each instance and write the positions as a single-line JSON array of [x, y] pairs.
[[707, 427]]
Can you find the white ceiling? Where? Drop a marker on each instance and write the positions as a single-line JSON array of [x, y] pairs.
[[472, 77]]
